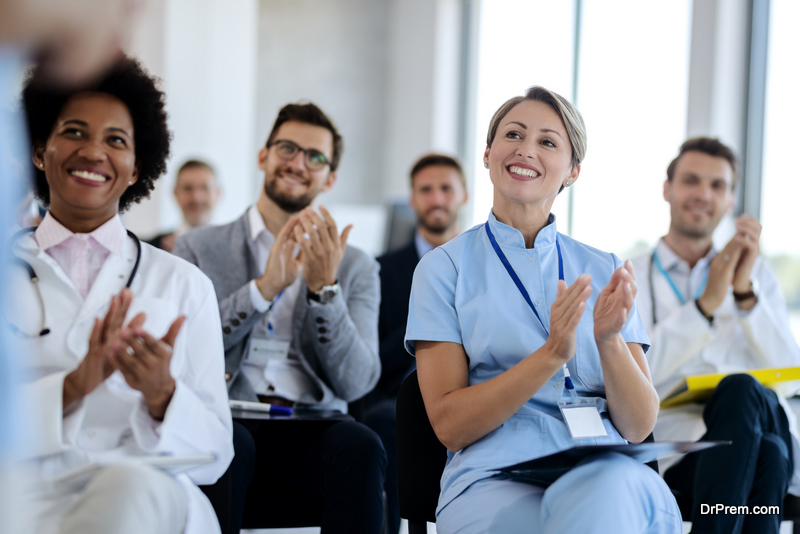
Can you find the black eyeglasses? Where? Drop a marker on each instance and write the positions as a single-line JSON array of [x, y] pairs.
[[287, 150]]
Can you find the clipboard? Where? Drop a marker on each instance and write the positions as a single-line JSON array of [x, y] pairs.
[[698, 388], [545, 470]]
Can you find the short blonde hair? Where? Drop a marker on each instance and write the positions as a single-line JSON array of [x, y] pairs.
[[570, 117]]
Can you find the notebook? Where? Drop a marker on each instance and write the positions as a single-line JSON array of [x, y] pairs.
[[547, 469], [698, 388]]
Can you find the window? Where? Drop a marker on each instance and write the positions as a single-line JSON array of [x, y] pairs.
[[632, 85], [780, 185], [632, 94], [522, 43]]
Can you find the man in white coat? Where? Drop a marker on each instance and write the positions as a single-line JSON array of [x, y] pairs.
[[718, 311]]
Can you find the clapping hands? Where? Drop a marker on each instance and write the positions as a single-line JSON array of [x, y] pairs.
[[614, 304], [143, 360]]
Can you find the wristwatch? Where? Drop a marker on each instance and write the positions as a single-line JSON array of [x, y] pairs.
[[324, 295], [752, 293]]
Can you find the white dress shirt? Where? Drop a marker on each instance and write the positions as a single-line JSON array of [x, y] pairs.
[[282, 378], [81, 255], [683, 343]]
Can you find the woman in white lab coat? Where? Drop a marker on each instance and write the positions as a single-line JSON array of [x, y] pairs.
[[122, 341]]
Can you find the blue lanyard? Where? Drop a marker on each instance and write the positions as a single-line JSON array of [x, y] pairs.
[[270, 329], [675, 289], [521, 287]]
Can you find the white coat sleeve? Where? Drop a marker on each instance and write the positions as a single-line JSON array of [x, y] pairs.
[[766, 327], [198, 419]]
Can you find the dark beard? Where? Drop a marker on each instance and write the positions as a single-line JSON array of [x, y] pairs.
[[287, 204], [435, 229]]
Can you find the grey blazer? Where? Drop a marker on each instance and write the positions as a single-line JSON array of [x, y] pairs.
[[337, 342]]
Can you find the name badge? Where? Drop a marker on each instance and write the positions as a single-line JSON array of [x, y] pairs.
[[582, 418], [262, 350]]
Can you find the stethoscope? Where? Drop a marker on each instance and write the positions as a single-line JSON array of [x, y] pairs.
[[35, 280], [655, 262]]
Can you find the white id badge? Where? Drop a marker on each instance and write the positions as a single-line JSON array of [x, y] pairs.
[[582, 418], [263, 350]]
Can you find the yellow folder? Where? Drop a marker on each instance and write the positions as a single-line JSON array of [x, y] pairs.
[[699, 388]]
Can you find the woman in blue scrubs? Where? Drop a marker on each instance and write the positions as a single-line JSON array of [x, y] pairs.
[[515, 325]]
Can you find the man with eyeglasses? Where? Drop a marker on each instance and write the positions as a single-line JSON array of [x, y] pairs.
[[299, 315]]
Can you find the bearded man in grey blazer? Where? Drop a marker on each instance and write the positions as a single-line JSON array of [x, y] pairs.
[[299, 315]]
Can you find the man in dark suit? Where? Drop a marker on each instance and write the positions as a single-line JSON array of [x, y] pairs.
[[438, 191]]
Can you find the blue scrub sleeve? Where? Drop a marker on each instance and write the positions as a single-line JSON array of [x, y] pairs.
[[634, 330], [432, 314]]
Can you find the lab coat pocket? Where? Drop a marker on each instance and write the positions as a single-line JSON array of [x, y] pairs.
[[159, 314]]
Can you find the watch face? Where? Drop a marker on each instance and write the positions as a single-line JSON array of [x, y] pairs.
[[326, 294]]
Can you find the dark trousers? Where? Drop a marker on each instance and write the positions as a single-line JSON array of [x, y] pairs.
[[381, 417], [754, 471], [340, 463], [242, 469]]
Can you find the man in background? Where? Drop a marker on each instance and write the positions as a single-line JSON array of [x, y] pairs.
[[197, 193], [299, 313], [718, 311], [438, 192]]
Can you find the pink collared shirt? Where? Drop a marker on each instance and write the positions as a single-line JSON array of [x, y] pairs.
[[80, 255]]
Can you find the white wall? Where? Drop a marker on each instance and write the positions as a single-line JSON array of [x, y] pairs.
[[333, 54], [205, 52], [386, 71]]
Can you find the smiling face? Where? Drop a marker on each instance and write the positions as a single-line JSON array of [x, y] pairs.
[[437, 195], [196, 193], [88, 160], [530, 157], [699, 194], [290, 184]]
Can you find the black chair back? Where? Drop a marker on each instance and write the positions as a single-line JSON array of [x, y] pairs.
[[420, 458]]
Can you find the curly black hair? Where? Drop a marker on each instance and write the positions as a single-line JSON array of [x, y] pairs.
[[128, 81]]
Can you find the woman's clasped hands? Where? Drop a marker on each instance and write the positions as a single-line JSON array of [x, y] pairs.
[[143, 360], [611, 310]]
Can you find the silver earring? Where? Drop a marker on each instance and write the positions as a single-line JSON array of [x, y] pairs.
[[486, 165], [41, 165], [130, 182], [569, 183]]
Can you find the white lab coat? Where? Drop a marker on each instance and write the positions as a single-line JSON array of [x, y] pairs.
[[112, 422], [684, 344]]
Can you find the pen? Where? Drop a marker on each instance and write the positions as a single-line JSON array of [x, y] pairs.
[[259, 407]]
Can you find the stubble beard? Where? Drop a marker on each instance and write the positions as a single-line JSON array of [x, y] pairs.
[[693, 231], [285, 202], [439, 228]]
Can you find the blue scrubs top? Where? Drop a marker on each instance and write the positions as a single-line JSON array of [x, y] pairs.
[[463, 294]]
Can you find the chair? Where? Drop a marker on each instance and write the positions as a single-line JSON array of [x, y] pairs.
[[420, 459], [220, 496]]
